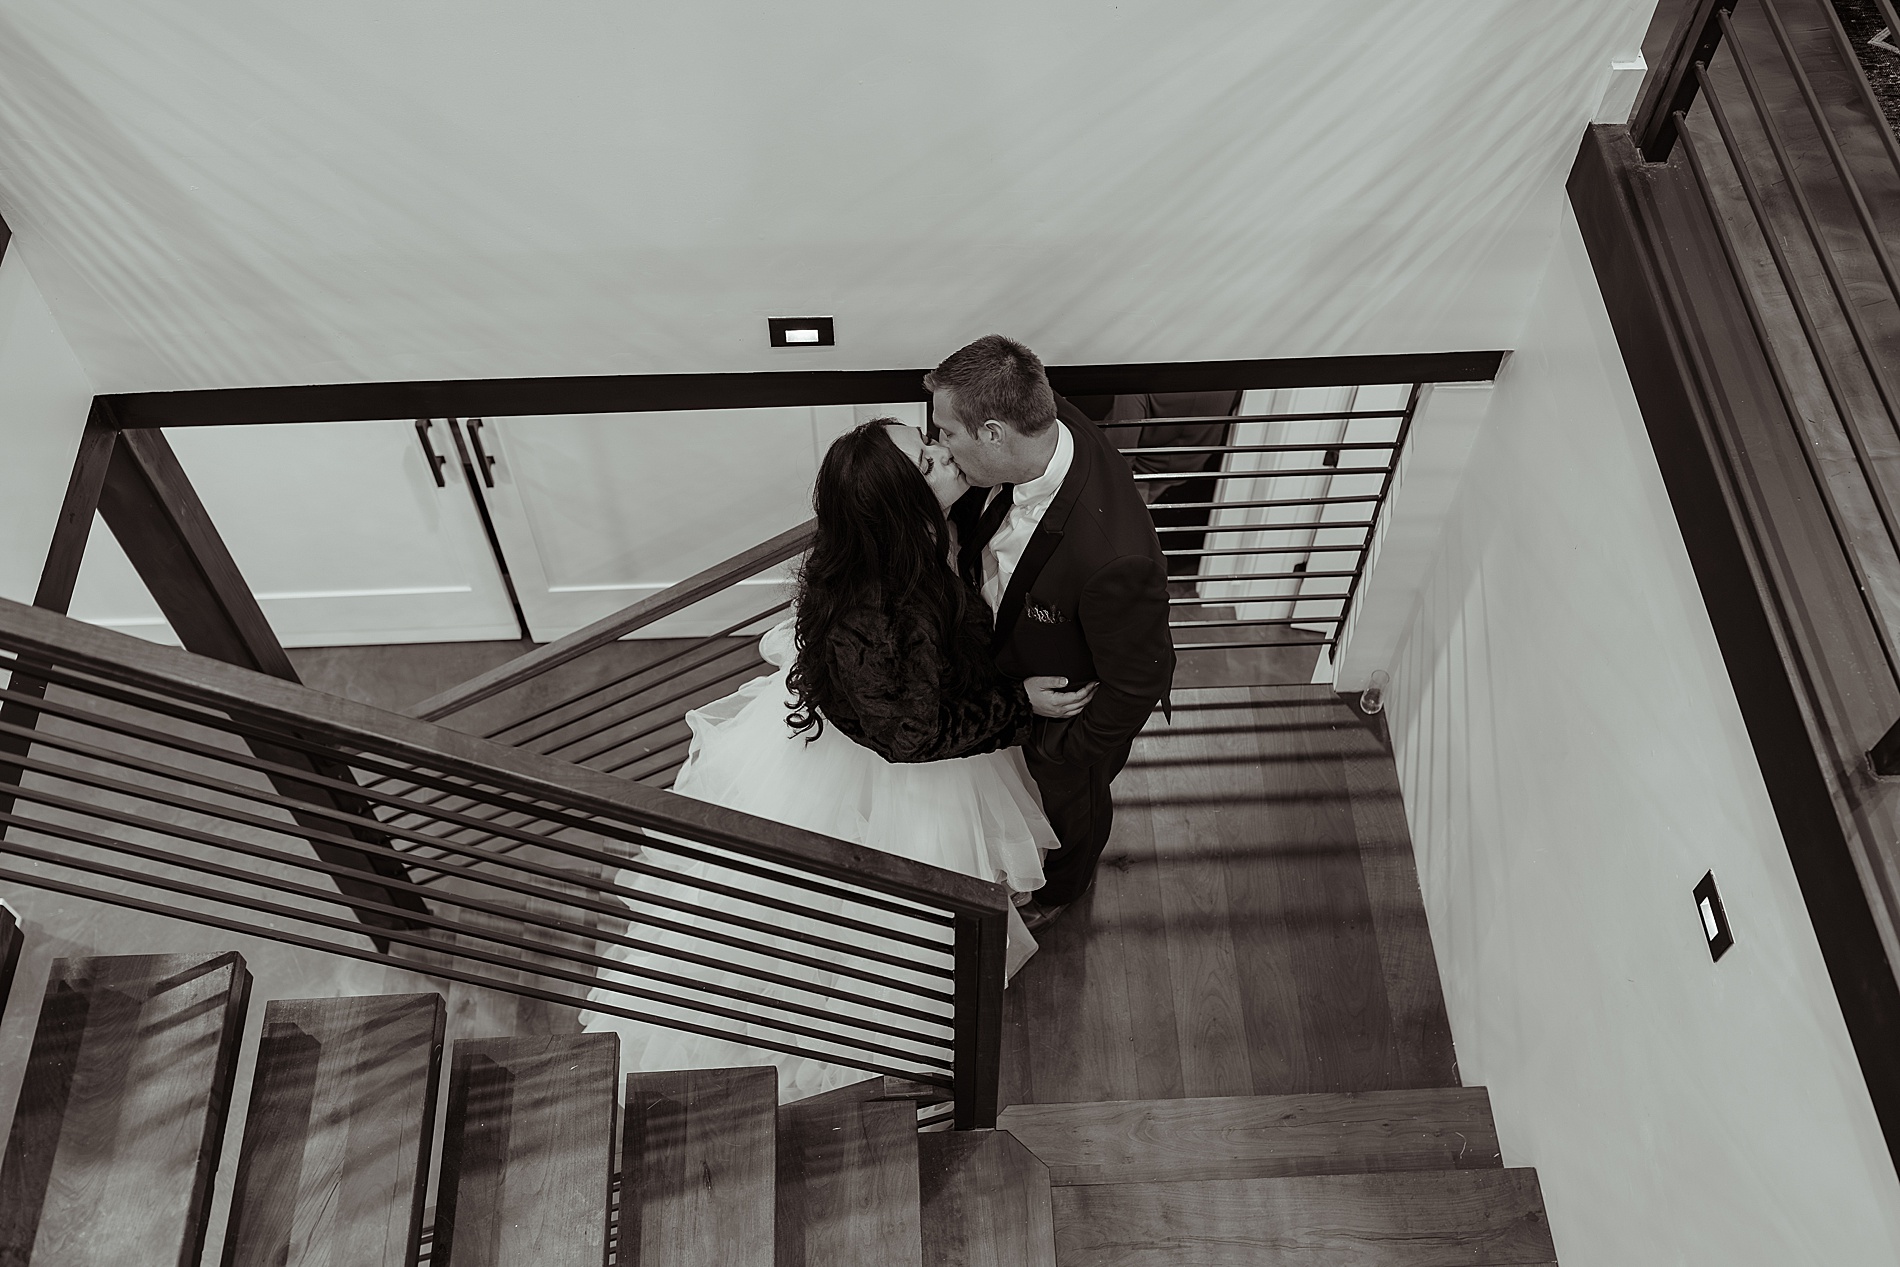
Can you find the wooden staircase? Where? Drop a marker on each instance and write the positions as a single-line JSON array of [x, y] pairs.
[[1398, 1178], [120, 1126]]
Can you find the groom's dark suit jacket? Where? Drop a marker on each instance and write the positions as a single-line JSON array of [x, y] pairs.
[[1089, 601]]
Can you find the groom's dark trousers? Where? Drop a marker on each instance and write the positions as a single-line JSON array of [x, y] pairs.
[[1088, 601]]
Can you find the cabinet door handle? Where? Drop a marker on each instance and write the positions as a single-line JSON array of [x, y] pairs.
[[436, 460], [483, 463]]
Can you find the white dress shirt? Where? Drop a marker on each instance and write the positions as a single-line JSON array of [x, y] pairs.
[[1031, 500]]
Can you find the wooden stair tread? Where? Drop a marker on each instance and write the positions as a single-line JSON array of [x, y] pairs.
[[884, 1087], [985, 1202], [1240, 1137], [1426, 1218], [122, 1110], [848, 1192], [336, 1144], [699, 1168], [528, 1152]]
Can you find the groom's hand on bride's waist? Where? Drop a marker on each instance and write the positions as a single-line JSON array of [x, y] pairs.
[[1051, 697]]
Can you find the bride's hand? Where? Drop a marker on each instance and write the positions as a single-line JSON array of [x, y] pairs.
[[1048, 699]]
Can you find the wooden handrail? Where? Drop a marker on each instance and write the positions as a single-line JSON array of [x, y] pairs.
[[788, 544], [349, 726], [1672, 82]]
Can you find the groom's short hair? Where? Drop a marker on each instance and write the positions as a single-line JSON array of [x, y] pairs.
[[997, 377]]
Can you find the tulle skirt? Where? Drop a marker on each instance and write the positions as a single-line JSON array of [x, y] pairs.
[[978, 815]]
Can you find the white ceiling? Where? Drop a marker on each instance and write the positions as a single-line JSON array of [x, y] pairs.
[[222, 192]]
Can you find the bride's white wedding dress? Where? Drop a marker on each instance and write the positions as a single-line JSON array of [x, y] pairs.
[[978, 815]]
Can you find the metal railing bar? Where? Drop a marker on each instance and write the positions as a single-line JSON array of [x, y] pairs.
[[1248, 646], [1317, 618], [1254, 598], [553, 815], [524, 741], [1842, 169], [566, 745], [1316, 447], [728, 632], [614, 627], [562, 750], [721, 644], [299, 831], [1867, 98], [1313, 417], [419, 940], [612, 910], [647, 756], [1266, 473], [1797, 302], [354, 727], [933, 1076], [407, 830], [737, 645], [1185, 450], [375, 793], [1261, 505], [1671, 88], [1284, 501], [332, 898], [491, 828], [1739, 274], [1378, 511], [1300, 549]]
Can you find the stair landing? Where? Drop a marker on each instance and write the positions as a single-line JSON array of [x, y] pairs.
[[1255, 928]]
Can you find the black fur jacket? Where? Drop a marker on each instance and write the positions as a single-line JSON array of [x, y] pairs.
[[888, 675]]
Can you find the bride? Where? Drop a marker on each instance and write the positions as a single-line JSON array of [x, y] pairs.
[[885, 722]]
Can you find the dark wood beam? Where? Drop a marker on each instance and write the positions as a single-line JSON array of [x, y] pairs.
[[1801, 653], [165, 531], [643, 393], [1671, 84], [57, 577]]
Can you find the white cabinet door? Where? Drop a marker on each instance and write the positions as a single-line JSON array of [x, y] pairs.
[[340, 530], [1300, 531], [597, 511]]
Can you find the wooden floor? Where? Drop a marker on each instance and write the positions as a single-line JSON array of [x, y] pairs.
[[1255, 927]]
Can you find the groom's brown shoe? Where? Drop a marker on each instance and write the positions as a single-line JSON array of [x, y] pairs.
[[1036, 916]]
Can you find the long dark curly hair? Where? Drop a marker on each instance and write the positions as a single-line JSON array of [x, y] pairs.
[[882, 542]]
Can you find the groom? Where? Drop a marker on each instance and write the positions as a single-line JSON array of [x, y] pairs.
[[1055, 535]]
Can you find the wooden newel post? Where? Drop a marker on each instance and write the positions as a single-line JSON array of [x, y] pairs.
[[978, 1043]]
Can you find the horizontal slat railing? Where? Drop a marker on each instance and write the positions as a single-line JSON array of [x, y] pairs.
[[630, 620], [139, 790], [1754, 166], [1267, 540], [587, 698]]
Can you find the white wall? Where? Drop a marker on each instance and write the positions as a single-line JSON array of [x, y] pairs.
[[44, 398], [1573, 760], [236, 193]]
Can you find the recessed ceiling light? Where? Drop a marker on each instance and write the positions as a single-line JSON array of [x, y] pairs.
[[809, 332]]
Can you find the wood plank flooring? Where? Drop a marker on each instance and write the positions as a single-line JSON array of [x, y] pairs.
[[336, 1143], [699, 1168], [848, 1185], [1259, 1137], [528, 1152], [1255, 928], [985, 1201], [111, 1151], [1444, 1218]]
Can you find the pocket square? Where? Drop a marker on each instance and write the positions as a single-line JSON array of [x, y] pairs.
[[1043, 615]]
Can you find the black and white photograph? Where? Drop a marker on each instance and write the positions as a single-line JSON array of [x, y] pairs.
[[1072, 633]]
